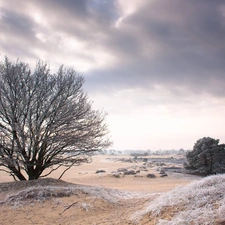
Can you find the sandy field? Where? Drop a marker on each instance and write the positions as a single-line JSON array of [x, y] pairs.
[[102, 197]]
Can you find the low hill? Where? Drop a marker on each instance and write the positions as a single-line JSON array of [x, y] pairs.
[[201, 202], [51, 201]]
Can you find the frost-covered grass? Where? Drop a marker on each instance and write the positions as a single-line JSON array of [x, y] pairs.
[[37, 194], [20, 193], [111, 195], [201, 202]]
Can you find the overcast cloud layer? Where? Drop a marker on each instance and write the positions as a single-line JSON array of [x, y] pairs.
[[156, 66]]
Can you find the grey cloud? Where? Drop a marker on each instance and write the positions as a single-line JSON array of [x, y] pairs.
[[168, 43], [19, 30], [190, 48], [18, 34], [62, 9], [105, 11], [14, 24], [86, 19]]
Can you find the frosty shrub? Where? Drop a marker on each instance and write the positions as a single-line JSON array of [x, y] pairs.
[[201, 202]]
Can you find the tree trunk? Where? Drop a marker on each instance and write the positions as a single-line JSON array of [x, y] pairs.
[[17, 173]]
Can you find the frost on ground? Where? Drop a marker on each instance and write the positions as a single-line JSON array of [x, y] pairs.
[[17, 193], [201, 202], [51, 201]]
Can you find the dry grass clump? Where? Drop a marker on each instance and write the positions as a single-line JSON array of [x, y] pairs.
[[201, 202], [39, 194], [18, 185], [17, 193]]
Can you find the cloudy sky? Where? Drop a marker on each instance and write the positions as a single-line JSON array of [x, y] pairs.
[[157, 67]]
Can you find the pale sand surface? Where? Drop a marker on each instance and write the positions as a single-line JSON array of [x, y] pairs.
[[86, 175], [99, 211]]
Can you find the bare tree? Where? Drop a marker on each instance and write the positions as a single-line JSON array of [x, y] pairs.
[[46, 121]]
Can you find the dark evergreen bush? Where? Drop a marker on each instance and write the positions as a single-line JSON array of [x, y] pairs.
[[207, 157]]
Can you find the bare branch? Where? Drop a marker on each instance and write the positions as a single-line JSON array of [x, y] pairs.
[[68, 207], [51, 171], [66, 170]]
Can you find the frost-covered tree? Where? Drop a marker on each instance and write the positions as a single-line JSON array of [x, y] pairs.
[[207, 157], [46, 121]]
